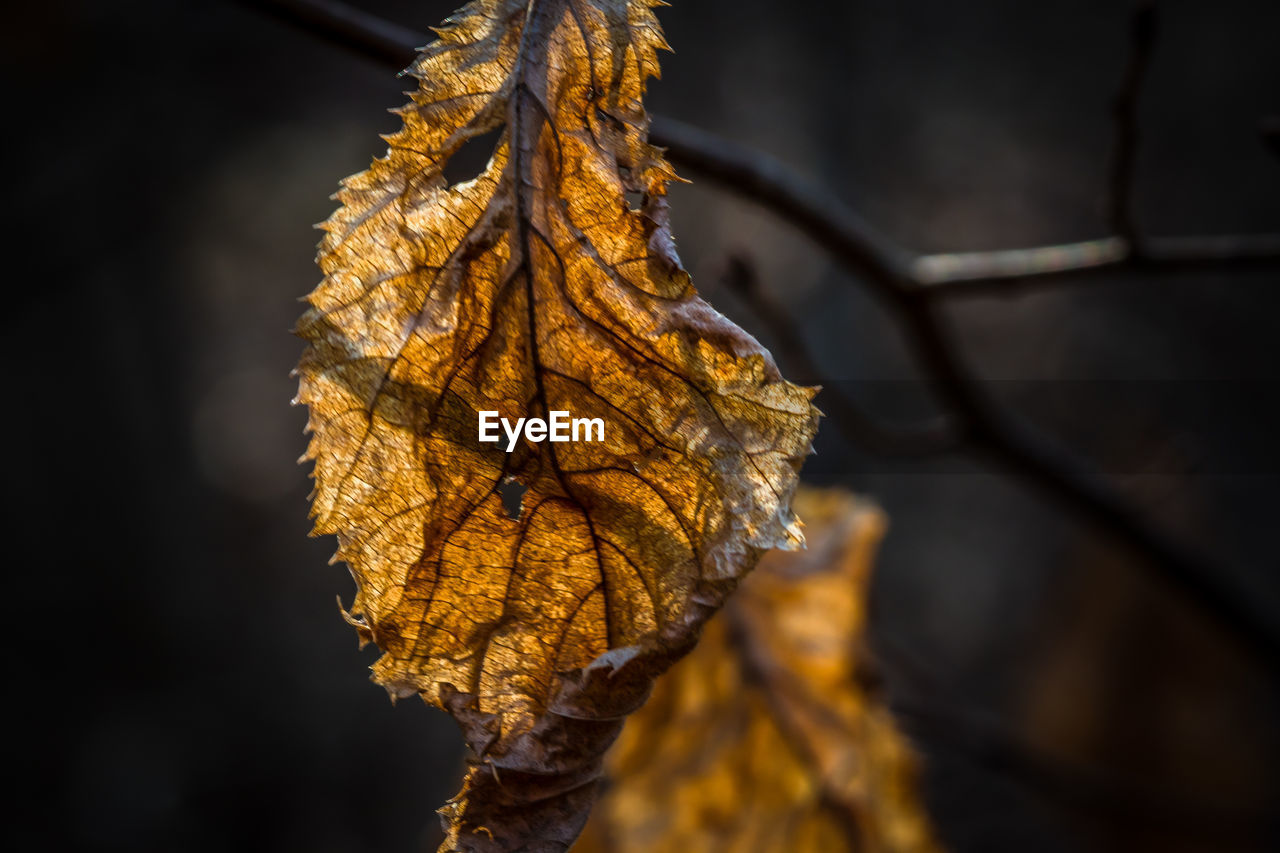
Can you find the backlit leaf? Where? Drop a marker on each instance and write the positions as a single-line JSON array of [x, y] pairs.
[[535, 287]]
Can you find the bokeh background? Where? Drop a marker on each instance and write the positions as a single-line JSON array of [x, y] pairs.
[[181, 679]]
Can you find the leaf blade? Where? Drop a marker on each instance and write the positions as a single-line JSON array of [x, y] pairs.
[[532, 288]]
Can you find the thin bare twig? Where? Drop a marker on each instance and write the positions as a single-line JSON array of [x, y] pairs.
[[1015, 271], [762, 179], [985, 425], [1124, 156], [346, 26], [769, 182], [890, 273], [929, 439]]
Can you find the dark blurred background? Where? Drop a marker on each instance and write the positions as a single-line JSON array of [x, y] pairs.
[[182, 679]]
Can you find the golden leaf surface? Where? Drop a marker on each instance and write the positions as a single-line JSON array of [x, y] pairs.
[[534, 288], [766, 738]]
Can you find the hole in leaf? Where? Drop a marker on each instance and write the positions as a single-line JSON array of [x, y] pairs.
[[635, 199], [512, 493], [469, 160]]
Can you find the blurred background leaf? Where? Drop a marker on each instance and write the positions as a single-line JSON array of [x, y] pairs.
[[772, 734]]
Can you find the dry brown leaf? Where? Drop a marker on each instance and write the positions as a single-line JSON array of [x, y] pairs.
[[533, 288], [766, 739]]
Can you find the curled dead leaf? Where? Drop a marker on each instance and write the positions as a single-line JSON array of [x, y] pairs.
[[534, 288], [766, 738]]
